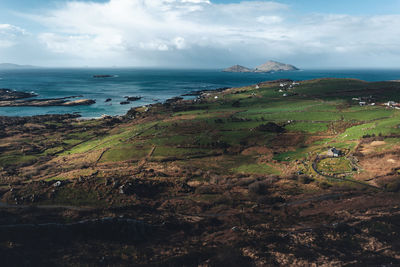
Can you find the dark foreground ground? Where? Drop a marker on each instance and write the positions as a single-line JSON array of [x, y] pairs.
[[242, 177]]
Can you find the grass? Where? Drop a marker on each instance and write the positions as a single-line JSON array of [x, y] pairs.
[[16, 159], [122, 153], [298, 154], [335, 165], [381, 127], [307, 127], [76, 197], [256, 169], [322, 112]]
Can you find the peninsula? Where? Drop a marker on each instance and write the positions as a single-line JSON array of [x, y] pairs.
[[12, 98]]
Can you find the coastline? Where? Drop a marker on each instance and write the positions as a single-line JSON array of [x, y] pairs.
[[56, 83]]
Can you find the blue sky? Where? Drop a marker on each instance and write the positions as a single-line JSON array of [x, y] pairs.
[[200, 33], [338, 6]]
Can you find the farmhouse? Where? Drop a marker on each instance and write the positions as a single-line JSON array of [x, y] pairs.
[[390, 103], [333, 152]]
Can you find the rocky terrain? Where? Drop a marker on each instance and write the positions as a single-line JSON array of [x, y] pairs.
[[236, 177]]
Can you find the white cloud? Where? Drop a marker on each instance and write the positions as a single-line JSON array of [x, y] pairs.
[[10, 35], [193, 32]]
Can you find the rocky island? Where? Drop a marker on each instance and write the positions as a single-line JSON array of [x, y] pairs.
[[269, 66], [237, 68], [12, 98], [8, 94]]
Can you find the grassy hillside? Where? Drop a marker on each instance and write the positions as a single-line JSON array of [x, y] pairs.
[[244, 157]]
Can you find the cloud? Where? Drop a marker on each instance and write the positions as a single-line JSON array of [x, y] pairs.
[[10, 35], [201, 33]]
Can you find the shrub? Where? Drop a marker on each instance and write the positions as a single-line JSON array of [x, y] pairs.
[[304, 179], [258, 188], [393, 186], [270, 200], [207, 189], [324, 185], [270, 127]]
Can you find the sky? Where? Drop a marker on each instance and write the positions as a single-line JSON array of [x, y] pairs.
[[200, 33]]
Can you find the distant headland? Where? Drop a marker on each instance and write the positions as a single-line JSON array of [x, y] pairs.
[[268, 66], [11, 66]]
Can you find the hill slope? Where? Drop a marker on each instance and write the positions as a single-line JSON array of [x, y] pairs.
[[241, 177]]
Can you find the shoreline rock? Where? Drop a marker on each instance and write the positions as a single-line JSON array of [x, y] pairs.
[[46, 102], [9, 94], [133, 98], [200, 92]]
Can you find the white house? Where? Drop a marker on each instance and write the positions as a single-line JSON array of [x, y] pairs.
[[390, 103], [333, 152]]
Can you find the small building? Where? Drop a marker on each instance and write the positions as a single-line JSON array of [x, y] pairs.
[[390, 103], [333, 152], [285, 94], [257, 87], [362, 103]]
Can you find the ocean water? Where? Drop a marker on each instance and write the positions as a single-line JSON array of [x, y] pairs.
[[154, 85]]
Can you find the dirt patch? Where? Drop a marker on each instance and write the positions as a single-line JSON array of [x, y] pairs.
[[379, 165], [288, 140], [377, 143], [369, 148], [259, 150]]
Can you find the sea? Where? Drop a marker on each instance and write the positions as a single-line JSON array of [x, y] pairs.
[[153, 85]]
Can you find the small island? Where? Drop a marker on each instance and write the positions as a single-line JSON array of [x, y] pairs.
[[269, 66], [103, 76], [237, 68]]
